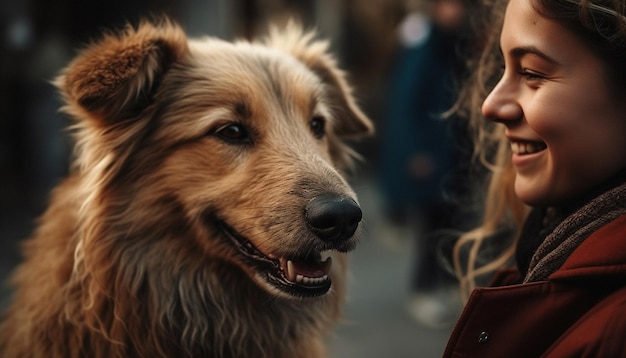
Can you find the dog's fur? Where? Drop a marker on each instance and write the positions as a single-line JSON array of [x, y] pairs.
[[185, 146]]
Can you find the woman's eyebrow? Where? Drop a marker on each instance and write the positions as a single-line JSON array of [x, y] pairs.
[[519, 52]]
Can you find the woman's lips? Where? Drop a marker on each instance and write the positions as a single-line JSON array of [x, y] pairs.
[[527, 155]]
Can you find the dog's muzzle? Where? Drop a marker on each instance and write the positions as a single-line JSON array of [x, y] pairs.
[[333, 219]]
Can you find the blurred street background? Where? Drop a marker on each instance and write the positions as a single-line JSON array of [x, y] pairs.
[[386, 46], [379, 319]]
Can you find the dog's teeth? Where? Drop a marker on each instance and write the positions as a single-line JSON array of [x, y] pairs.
[[291, 271], [327, 264]]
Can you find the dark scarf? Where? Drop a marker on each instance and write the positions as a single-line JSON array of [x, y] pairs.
[[550, 235]]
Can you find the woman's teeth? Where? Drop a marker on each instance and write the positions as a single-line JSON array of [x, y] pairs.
[[521, 148]]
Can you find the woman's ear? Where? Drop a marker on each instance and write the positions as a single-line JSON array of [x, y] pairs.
[[351, 121], [114, 78]]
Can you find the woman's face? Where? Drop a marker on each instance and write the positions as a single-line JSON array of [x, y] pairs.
[[566, 126]]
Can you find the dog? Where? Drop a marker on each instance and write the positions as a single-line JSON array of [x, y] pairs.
[[206, 213]]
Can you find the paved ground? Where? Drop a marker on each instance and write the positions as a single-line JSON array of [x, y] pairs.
[[377, 321]]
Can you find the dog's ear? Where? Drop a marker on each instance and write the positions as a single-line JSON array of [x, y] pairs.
[[314, 54], [114, 78]]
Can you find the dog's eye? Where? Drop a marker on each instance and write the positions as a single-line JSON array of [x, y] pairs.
[[234, 133], [318, 125]]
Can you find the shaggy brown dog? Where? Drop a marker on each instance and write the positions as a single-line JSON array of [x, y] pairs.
[[206, 215]]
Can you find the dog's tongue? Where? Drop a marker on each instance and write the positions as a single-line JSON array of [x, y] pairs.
[[311, 268]]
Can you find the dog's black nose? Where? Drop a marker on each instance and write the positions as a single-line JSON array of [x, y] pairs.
[[333, 218]]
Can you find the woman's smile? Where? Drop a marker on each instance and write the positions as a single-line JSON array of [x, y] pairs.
[[526, 147], [528, 157]]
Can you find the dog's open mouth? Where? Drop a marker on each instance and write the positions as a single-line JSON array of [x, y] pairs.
[[305, 276]]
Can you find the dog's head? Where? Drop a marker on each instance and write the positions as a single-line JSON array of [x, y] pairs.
[[218, 151]]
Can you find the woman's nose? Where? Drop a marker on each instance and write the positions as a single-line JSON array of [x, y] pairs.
[[501, 104]]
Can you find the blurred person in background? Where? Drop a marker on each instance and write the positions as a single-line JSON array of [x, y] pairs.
[[548, 97], [422, 153]]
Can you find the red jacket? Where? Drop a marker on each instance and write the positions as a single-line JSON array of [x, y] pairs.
[[579, 312]]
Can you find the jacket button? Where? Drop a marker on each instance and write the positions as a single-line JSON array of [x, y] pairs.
[[483, 337]]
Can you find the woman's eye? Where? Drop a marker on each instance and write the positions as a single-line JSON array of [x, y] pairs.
[[234, 133], [530, 75], [318, 126]]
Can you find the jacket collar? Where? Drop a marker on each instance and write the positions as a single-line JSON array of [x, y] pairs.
[[564, 228], [601, 255]]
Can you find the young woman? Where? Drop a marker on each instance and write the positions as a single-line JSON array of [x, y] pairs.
[[554, 129]]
